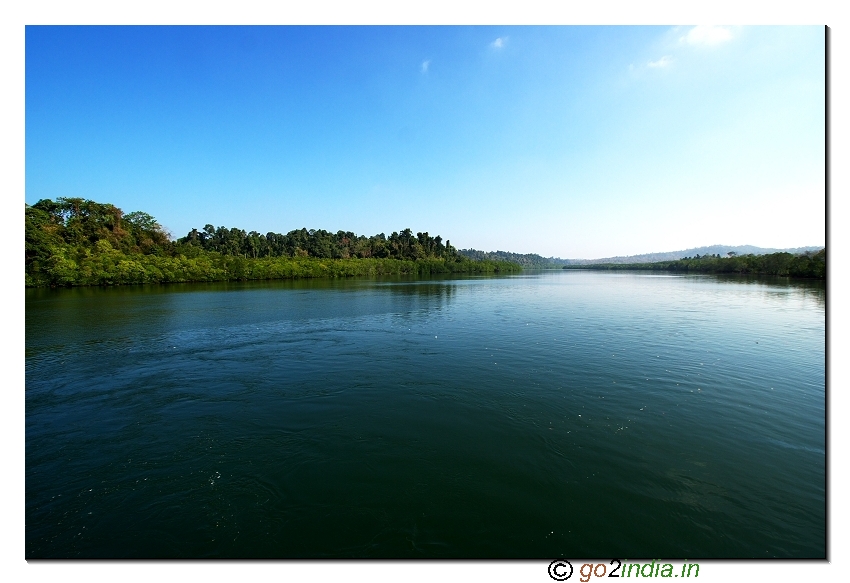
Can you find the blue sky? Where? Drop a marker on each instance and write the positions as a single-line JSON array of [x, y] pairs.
[[570, 141]]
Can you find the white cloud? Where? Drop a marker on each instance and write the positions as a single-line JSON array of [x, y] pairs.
[[499, 42], [425, 65], [707, 35], [660, 63]]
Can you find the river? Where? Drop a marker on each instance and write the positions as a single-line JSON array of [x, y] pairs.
[[540, 415]]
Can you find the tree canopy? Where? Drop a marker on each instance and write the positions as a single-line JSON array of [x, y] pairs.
[[320, 243], [804, 265], [74, 241]]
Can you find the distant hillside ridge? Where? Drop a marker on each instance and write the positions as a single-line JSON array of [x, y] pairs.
[[525, 260], [721, 250], [806, 265], [532, 260]]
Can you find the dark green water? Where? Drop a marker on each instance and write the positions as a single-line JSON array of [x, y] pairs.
[[567, 413]]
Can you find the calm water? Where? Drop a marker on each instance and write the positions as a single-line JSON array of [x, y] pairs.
[[541, 415]]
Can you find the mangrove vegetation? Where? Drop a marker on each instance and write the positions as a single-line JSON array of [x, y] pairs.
[[805, 265], [73, 241]]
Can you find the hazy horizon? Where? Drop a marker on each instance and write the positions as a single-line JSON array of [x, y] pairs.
[[658, 252]]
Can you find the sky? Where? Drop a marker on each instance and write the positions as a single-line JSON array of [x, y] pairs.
[[566, 141]]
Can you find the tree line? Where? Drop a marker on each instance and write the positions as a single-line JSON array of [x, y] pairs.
[[804, 265], [529, 260], [320, 243], [74, 241]]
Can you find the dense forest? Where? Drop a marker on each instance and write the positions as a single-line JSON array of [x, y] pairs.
[[808, 264], [709, 251], [73, 241], [529, 260]]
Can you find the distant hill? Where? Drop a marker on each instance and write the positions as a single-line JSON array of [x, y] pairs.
[[533, 260], [527, 260], [721, 250]]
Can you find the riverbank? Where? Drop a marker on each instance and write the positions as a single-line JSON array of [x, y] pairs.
[[108, 266], [805, 265], [77, 242]]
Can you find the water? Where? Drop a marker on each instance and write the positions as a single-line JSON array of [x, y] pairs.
[[548, 414]]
